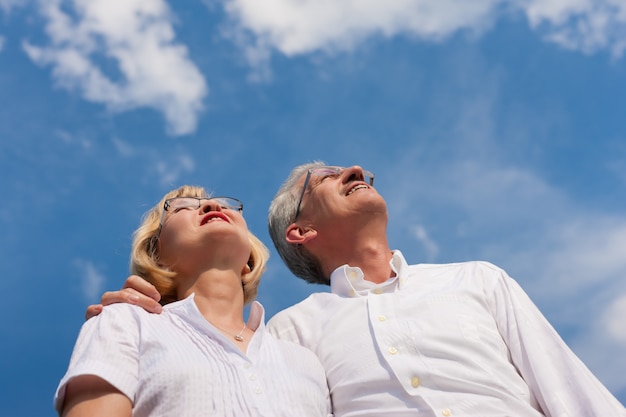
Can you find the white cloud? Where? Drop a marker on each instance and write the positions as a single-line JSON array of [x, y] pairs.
[[603, 343], [618, 168], [166, 166], [7, 5], [91, 280], [138, 37], [615, 319], [587, 251], [74, 139], [123, 148], [304, 26], [586, 25], [430, 246], [170, 170]]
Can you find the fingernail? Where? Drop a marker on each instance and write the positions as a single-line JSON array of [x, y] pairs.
[[134, 299]]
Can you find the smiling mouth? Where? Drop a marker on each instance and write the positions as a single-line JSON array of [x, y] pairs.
[[213, 218], [356, 188]]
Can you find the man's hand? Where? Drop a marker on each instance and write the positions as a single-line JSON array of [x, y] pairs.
[[136, 290]]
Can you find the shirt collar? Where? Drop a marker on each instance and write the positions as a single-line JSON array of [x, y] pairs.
[[349, 281], [189, 312]]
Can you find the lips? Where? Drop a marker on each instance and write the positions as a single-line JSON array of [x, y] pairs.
[[357, 187], [214, 216]]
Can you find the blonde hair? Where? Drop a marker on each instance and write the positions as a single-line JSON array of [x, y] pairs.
[[144, 255]]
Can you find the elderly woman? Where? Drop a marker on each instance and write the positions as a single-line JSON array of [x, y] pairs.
[[199, 357]]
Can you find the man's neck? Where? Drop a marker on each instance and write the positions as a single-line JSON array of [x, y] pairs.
[[371, 255]]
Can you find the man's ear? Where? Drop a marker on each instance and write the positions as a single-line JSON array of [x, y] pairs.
[[297, 235]]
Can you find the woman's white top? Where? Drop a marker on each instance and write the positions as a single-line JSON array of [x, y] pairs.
[[178, 364]]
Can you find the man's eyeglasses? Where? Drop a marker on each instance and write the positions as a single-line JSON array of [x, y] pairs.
[[325, 172], [192, 203]]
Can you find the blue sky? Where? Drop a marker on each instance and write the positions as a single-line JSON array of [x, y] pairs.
[[496, 131]]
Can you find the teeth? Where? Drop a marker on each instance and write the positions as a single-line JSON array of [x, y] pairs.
[[358, 187], [213, 219]]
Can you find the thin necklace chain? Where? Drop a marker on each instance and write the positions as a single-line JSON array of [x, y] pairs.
[[239, 336]]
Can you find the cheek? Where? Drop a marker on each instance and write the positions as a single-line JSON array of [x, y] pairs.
[[169, 243], [164, 252]]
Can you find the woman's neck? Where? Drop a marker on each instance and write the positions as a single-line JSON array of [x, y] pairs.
[[218, 295]]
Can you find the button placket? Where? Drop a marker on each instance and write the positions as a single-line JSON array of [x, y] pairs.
[[252, 376]]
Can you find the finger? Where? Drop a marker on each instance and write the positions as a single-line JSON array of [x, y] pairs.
[[131, 296], [142, 286], [93, 310]]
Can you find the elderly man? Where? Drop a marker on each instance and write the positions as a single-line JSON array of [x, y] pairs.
[[401, 340], [411, 340]]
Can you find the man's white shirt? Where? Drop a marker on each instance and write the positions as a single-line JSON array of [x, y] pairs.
[[443, 340]]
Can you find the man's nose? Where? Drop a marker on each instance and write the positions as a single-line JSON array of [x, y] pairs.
[[353, 173]]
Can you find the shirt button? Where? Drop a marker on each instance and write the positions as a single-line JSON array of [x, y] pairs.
[[352, 274], [382, 318], [415, 382], [252, 377], [393, 350], [446, 412], [257, 391], [377, 291]]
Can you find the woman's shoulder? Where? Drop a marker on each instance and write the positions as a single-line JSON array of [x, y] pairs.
[[126, 312]]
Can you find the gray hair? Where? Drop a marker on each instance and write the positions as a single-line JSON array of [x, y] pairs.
[[281, 213]]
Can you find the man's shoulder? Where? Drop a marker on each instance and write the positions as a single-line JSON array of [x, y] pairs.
[[311, 304], [473, 265], [475, 270], [301, 314]]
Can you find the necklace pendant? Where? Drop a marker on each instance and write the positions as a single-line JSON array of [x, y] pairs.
[[238, 337]]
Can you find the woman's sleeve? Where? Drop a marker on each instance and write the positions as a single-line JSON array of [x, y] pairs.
[[107, 347]]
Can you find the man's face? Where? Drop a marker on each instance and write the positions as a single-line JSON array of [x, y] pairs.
[[338, 195]]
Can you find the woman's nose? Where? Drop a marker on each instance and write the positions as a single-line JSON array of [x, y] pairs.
[[210, 205]]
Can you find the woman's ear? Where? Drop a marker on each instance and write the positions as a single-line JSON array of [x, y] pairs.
[[246, 270], [297, 235]]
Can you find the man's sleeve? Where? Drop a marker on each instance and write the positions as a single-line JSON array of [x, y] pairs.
[[560, 381]]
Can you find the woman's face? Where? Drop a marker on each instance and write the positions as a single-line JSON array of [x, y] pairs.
[[208, 236]]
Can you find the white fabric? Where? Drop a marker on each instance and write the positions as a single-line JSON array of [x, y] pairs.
[[177, 364], [441, 340]]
